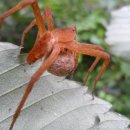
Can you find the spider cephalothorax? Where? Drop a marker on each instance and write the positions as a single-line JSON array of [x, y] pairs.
[[65, 34], [58, 47], [66, 61]]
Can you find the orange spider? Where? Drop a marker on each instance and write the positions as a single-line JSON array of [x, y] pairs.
[[58, 47]]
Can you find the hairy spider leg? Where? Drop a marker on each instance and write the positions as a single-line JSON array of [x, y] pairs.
[[83, 49], [36, 11], [45, 65], [46, 16]]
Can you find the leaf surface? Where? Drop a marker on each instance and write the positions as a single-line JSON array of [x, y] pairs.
[[54, 104]]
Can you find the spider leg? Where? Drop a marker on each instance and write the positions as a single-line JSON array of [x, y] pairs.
[[34, 78], [92, 66], [36, 11], [83, 49], [14, 9], [91, 69], [92, 46], [49, 18], [47, 15], [27, 29]]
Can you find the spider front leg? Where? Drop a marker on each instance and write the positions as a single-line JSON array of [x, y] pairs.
[[83, 49], [53, 56], [22, 5], [14, 9]]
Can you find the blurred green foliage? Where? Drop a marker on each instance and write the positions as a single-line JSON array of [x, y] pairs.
[[90, 17]]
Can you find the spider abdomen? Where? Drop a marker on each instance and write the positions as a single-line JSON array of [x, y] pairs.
[[64, 64]]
